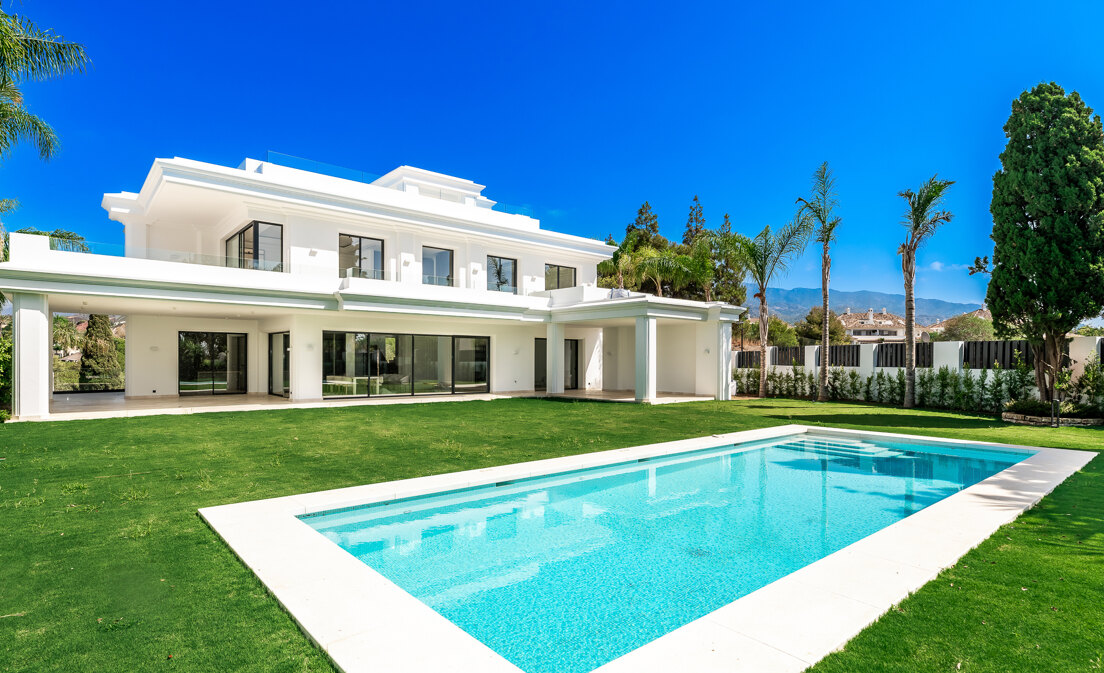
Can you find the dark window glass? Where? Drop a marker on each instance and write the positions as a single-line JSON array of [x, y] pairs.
[[279, 364], [472, 356], [432, 365], [259, 245], [211, 363], [436, 266], [501, 274], [360, 257], [557, 277], [571, 364], [390, 364]]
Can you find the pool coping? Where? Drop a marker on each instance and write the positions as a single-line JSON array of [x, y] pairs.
[[365, 622]]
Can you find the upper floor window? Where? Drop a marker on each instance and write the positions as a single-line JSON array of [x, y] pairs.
[[436, 266], [556, 276], [259, 245], [359, 257], [501, 274]]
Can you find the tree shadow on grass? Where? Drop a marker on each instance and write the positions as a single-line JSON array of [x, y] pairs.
[[902, 420]]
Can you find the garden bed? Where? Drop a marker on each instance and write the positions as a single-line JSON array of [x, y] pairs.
[[1025, 419]]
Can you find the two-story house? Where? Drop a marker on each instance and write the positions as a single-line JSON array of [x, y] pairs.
[[871, 327], [267, 279]]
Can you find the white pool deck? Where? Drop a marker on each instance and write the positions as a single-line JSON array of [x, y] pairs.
[[367, 623]]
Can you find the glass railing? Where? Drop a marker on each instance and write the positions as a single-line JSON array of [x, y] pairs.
[[356, 272], [437, 280], [512, 289]]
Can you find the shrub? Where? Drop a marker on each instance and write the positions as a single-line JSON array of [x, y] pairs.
[[1020, 378], [1034, 407], [924, 381], [1090, 385], [854, 385], [880, 387], [799, 381], [983, 403], [899, 388], [968, 393], [869, 393], [811, 384], [954, 390], [942, 386], [835, 381]]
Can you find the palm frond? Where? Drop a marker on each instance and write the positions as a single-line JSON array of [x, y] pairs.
[[30, 53], [16, 125]]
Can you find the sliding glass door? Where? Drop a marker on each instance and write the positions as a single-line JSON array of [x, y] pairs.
[[380, 364], [211, 363], [279, 364], [571, 364]]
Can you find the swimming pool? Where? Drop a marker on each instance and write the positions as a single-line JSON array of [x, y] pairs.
[[568, 571]]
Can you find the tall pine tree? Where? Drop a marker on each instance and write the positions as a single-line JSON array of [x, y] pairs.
[[1048, 225], [99, 368], [695, 223]]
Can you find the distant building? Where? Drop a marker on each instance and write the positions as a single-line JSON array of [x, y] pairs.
[[871, 327], [938, 327]]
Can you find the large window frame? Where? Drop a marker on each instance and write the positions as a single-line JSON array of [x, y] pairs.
[[358, 271], [436, 278], [364, 386], [209, 339], [244, 251], [495, 280], [556, 271]]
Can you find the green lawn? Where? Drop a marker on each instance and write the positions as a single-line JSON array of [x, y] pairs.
[[105, 566]]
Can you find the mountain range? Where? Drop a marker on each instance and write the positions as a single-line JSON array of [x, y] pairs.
[[793, 305]]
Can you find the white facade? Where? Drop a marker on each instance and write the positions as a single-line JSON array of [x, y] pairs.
[[430, 240]]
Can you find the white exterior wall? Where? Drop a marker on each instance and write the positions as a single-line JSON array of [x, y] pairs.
[[152, 356]]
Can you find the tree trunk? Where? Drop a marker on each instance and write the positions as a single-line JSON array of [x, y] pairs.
[[825, 272], [908, 266], [1048, 362], [763, 321]]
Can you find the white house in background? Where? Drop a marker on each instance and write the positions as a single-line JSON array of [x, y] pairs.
[[267, 279], [871, 327]]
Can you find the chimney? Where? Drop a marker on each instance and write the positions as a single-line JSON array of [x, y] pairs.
[[848, 310], [869, 314], [883, 310]]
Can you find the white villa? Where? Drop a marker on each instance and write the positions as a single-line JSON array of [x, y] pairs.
[[270, 280], [871, 327]]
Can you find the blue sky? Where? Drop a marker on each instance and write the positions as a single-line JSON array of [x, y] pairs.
[[580, 110]]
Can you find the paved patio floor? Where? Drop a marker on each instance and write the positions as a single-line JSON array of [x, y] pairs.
[[81, 406]]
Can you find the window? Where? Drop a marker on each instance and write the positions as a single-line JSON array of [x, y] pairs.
[[260, 245], [501, 274], [363, 364], [436, 266], [359, 257], [211, 363], [556, 276]]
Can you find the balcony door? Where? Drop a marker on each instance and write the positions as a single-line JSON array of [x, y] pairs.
[[571, 364], [211, 363]]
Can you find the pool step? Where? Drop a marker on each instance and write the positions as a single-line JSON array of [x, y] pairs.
[[844, 448]]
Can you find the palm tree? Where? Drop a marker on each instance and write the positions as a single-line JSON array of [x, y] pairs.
[[664, 265], [623, 264], [923, 215], [28, 53], [819, 207], [764, 256]]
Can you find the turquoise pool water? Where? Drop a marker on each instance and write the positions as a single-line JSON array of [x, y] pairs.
[[567, 572]]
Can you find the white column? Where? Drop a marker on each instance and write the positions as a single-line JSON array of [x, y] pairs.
[[947, 354], [645, 359], [305, 370], [32, 341], [554, 361], [723, 350], [866, 360]]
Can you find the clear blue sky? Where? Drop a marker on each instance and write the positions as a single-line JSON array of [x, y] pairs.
[[580, 110]]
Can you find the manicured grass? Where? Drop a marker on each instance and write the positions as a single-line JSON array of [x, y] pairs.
[[105, 566]]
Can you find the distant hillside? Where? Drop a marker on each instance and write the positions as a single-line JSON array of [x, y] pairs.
[[792, 305]]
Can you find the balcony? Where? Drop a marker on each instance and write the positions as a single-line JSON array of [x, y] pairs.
[[443, 281]]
